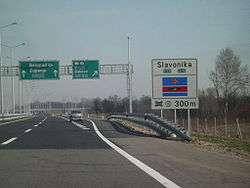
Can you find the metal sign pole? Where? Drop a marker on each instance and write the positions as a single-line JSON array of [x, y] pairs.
[[20, 96], [13, 82], [175, 116], [189, 124], [1, 81], [162, 113]]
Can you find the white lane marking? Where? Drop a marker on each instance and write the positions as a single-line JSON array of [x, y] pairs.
[[9, 141], [28, 130], [150, 171], [64, 118], [76, 124], [80, 125], [40, 122]]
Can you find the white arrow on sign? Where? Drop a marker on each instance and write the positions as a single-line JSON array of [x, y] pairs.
[[55, 73], [23, 73], [95, 73]]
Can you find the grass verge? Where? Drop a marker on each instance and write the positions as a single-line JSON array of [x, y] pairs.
[[229, 144]]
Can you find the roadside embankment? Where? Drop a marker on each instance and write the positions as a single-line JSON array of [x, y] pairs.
[[222, 144]]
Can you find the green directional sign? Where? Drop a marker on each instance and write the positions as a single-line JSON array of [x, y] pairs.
[[39, 70], [86, 69]]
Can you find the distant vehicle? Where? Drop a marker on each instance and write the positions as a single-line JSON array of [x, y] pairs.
[[75, 116]]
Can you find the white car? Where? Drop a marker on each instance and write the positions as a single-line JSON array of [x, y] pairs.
[[75, 115]]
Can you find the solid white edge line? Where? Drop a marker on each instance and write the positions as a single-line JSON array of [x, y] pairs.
[[9, 141], [150, 171], [28, 130]]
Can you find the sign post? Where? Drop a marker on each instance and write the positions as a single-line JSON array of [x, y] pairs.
[[39, 70], [86, 69], [174, 84]]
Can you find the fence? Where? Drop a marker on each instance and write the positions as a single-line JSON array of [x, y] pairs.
[[214, 126], [234, 128]]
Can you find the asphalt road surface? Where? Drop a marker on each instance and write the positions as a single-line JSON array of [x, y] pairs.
[[52, 152]]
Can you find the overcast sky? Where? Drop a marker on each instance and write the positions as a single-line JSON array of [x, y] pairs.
[[73, 29]]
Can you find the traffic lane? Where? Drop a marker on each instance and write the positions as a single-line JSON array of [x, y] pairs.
[[56, 133], [86, 166], [70, 168], [185, 164], [14, 129]]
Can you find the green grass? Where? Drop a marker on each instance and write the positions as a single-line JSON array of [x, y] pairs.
[[227, 143]]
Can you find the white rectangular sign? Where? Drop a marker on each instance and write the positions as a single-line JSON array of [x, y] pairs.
[[175, 103], [174, 79]]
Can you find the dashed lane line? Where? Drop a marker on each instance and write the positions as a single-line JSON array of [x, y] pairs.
[[66, 119], [77, 124], [80, 125], [28, 130], [9, 141]]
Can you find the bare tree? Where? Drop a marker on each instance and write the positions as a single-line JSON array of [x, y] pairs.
[[230, 78]]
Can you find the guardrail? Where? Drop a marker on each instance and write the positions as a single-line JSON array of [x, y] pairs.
[[172, 127], [163, 127], [161, 130], [7, 117]]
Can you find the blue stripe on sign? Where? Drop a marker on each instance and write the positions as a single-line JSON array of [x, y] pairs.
[[174, 94], [170, 81]]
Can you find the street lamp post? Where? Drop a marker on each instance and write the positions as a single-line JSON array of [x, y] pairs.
[[12, 48], [20, 86], [13, 79], [21, 98], [129, 79], [1, 83]]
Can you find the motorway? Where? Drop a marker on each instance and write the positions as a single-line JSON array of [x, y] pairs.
[[52, 152]]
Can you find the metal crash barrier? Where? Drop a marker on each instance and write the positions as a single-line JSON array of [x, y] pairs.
[[9, 117], [162, 127]]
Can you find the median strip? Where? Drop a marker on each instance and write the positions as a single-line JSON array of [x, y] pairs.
[[14, 121]]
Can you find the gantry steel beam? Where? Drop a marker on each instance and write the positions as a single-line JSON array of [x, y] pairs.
[[66, 70]]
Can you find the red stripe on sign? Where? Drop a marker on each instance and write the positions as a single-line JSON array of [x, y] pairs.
[[174, 89]]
